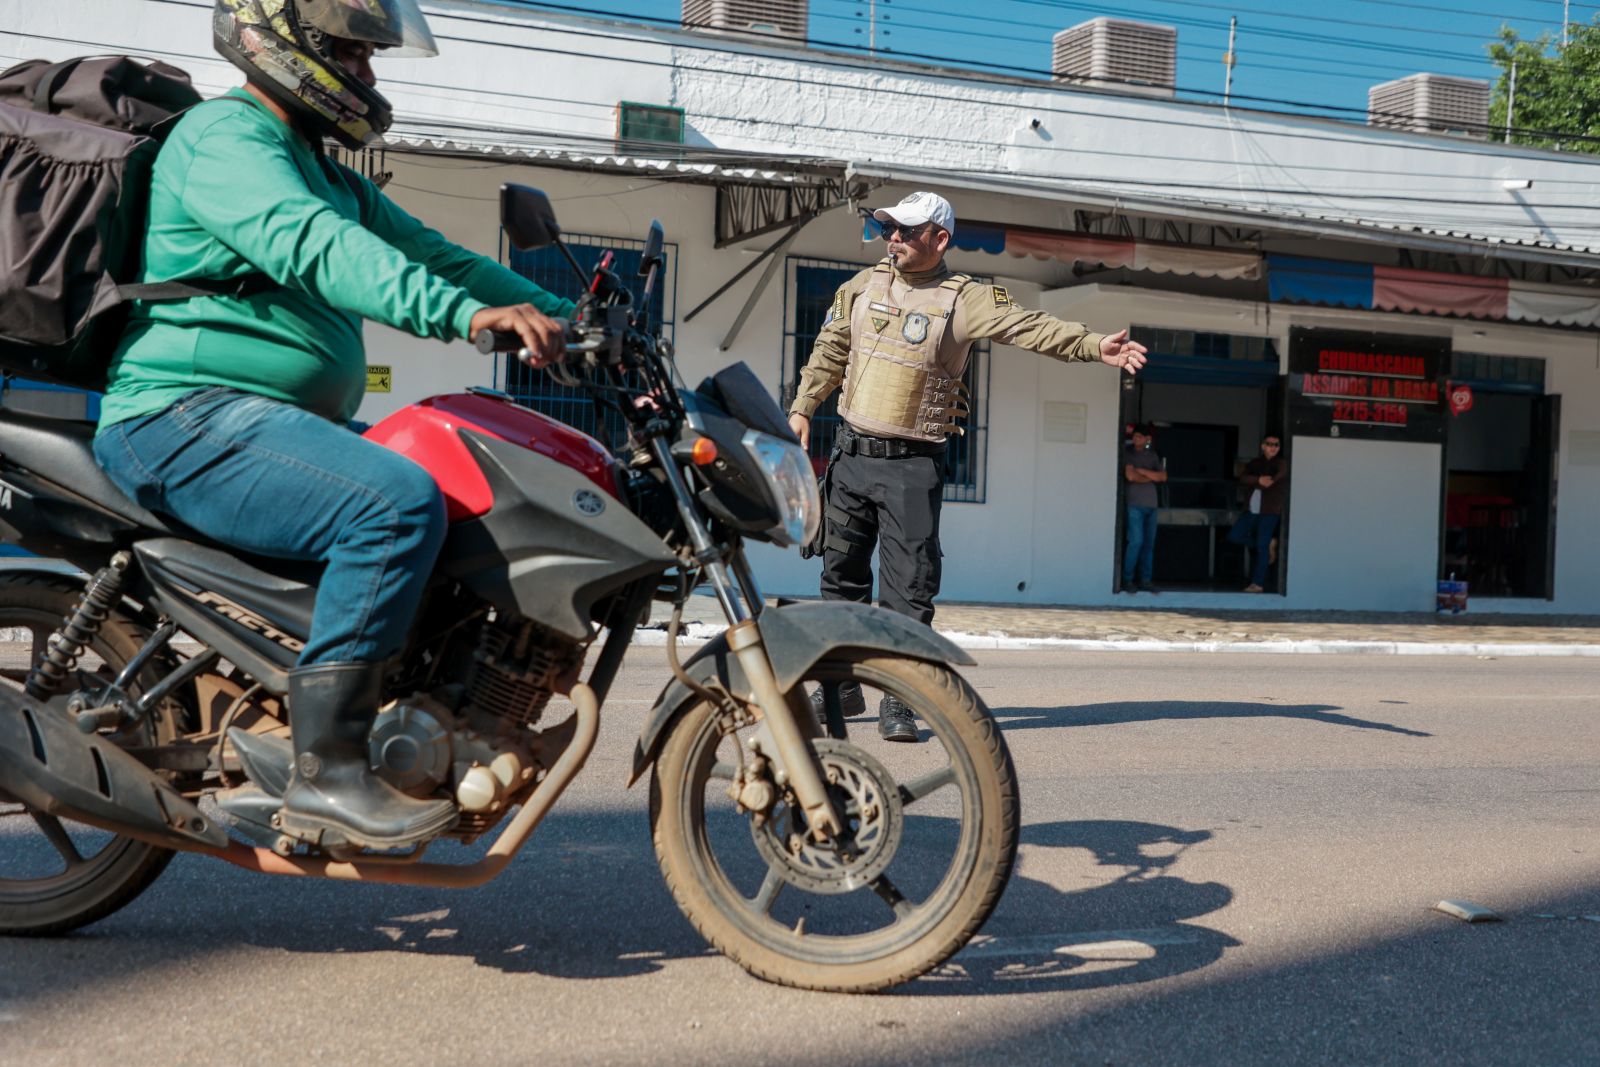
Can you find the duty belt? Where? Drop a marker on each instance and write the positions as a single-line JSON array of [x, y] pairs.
[[852, 443]]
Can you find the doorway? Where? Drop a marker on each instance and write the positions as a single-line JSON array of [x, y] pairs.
[[1499, 508], [1209, 398]]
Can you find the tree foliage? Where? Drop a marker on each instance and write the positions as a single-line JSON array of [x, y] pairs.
[[1557, 101]]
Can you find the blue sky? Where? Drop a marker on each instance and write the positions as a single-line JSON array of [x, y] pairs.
[[1324, 53]]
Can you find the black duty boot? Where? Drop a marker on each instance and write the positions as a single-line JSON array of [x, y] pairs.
[[851, 701], [333, 794], [895, 721]]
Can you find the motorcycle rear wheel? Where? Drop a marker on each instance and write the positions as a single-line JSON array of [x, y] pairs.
[[99, 872], [854, 922]]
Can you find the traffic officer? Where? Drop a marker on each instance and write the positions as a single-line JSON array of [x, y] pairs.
[[897, 338]]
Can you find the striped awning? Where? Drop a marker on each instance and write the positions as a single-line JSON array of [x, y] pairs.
[[1303, 280], [1108, 252]]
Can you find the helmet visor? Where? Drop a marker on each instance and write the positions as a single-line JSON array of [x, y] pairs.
[[396, 26]]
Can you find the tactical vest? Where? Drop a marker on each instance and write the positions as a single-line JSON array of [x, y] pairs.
[[895, 384]]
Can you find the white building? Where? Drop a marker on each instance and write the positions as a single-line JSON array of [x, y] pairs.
[[1219, 234]]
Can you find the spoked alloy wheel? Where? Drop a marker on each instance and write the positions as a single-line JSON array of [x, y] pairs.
[[932, 834], [57, 874]]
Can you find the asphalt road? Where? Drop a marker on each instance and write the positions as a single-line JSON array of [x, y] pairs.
[[1225, 860]]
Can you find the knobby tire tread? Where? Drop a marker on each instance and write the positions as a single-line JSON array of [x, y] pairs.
[[958, 696]]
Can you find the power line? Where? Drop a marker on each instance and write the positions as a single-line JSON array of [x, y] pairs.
[[1347, 72], [1003, 68], [825, 61]]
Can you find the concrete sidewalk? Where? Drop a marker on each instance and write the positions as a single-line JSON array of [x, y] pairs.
[[1156, 629]]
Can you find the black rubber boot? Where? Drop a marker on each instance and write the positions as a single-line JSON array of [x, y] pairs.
[[895, 721], [851, 700], [333, 796]]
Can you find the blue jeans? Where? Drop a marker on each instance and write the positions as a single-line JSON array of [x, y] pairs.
[[1256, 532], [276, 480], [1141, 544]]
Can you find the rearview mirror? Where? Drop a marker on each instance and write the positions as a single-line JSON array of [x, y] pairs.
[[653, 243], [528, 218]]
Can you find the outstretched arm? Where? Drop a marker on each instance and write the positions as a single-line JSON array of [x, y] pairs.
[[988, 311]]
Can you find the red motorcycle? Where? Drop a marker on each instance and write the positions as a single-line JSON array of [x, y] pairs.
[[150, 718]]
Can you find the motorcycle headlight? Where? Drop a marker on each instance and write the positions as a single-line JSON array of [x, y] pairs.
[[788, 472]]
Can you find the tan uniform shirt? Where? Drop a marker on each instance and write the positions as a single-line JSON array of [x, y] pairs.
[[981, 311]]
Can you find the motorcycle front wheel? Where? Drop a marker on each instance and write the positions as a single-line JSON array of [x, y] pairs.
[[930, 843]]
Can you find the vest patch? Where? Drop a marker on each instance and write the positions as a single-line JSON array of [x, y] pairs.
[[885, 308], [879, 324], [916, 328]]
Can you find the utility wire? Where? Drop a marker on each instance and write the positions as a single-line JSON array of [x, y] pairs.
[[853, 64], [1349, 70], [1000, 69]]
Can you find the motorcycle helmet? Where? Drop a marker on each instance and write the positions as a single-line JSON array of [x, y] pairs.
[[285, 48]]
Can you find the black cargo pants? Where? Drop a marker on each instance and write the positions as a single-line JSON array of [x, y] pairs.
[[891, 502]]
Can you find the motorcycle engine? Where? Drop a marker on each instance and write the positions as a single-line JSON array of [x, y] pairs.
[[484, 754], [419, 745]]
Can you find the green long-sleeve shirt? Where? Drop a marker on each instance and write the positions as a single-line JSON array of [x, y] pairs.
[[236, 191]]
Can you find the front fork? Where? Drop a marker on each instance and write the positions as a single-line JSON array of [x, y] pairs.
[[779, 737]]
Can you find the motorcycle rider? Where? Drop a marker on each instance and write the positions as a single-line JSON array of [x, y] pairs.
[[228, 413]]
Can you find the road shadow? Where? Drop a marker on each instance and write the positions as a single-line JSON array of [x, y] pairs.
[[587, 901], [1129, 928], [1122, 712], [1432, 990]]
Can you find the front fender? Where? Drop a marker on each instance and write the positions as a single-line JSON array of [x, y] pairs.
[[796, 636]]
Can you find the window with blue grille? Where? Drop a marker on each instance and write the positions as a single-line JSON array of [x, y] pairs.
[[807, 298], [548, 268]]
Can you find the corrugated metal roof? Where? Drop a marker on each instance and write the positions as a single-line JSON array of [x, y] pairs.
[[710, 164], [697, 163], [1284, 220]]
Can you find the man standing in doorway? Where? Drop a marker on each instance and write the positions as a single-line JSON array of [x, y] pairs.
[[1266, 479], [897, 339], [1143, 471]]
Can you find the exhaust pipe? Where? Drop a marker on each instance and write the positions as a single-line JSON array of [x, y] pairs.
[[48, 764]]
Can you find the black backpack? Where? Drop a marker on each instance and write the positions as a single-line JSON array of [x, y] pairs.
[[78, 140]]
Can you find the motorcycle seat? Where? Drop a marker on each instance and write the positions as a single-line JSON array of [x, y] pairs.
[[62, 451]]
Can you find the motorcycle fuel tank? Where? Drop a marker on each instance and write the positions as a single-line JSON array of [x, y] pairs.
[[427, 433]]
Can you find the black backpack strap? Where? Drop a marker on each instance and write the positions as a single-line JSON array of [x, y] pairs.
[[53, 78], [186, 289]]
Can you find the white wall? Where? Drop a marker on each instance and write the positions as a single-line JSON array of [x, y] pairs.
[[546, 81], [1363, 524], [1572, 371]]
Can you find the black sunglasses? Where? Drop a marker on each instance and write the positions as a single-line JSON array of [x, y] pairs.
[[889, 229]]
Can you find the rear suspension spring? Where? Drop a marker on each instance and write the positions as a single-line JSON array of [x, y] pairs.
[[67, 643]]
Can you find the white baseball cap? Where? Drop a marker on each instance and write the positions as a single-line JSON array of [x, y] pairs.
[[918, 208]]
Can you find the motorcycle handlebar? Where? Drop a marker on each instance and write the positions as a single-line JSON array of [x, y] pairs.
[[578, 343], [488, 341]]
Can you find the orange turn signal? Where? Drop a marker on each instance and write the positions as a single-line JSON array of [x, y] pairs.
[[705, 450]]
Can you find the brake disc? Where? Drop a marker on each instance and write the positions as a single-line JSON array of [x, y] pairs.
[[868, 798]]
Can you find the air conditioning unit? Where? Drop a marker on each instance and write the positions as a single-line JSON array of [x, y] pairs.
[[779, 18], [1118, 54], [1431, 103]]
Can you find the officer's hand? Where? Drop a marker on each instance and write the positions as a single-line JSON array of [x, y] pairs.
[[540, 334], [1117, 351], [802, 429]]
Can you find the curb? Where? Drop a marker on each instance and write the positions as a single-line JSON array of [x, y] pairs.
[[700, 633]]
